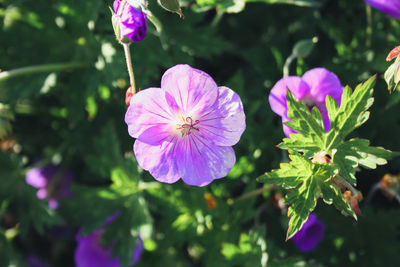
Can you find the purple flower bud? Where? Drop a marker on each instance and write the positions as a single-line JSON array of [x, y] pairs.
[[131, 24], [310, 234], [89, 252], [52, 184], [390, 7]]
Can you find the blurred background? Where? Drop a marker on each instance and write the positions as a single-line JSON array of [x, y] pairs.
[[71, 114]]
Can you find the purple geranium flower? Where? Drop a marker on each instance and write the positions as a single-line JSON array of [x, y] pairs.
[[90, 253], [132, 22], [312, 232], [311, 89], [53, 185], [34, 261], [390, 7], [186, 128]]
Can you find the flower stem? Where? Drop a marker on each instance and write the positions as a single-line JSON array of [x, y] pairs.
[[5, 75], [129, 66], [255, 193], [369, 25], [286, 67], [339, 179]]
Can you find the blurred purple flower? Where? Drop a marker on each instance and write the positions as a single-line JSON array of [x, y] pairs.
[[34, 261], [52, 184], [186, 128], [132, 22], [90, 253], [310, 234], [311, 89], [390, 7]]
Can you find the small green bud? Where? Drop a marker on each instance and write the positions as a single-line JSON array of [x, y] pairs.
[[303, 48], [172, 6]]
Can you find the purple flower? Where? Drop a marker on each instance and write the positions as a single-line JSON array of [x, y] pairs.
[[90, 253], [34, 261], [390, 7], [310, 234], [186, 128], [53, 185], [132, 22], [311, 89]]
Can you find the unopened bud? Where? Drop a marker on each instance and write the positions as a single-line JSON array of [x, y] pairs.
[[172, 6], [303, 48], [128, 96], [394, 53]]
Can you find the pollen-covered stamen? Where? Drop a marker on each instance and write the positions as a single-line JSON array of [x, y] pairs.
[[188, 125]]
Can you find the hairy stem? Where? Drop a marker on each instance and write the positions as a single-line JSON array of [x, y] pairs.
[[288, 62], [5, 75], [255, 193], [129, 66]]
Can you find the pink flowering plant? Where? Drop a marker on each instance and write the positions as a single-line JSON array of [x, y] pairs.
[[169, 126], [186, 128]]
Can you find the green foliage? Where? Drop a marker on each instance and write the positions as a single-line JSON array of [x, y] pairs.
[[306, 180], [67, 107], [251, 250]]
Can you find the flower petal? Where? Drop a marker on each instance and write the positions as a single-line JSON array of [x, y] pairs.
[[155, 135], [277, 96], [89, 252], [286, 129], [160, 160], [36, 179], [310, 234], [225, 122], [202, 163], [391, 7], [325, 117], [322, 83], [148, 108], [193, 90]]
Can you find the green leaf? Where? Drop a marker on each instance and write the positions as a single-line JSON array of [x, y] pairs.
[[351, 114], [302, 200], [306, 182], [290, 174], [251, 250], [301, 143], [304, 122], [355, 152], [331, 194]]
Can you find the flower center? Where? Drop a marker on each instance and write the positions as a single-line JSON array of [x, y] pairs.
[[188, 126]]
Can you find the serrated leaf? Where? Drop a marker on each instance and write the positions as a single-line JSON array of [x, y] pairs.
[[290, 174], [301, 143], [304, 198], [356, 152], [332, 107], [305, 181], [331, 194], [304, 122], [351, 113]]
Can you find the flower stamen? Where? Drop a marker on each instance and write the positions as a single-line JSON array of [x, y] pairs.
[[186, 128]]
